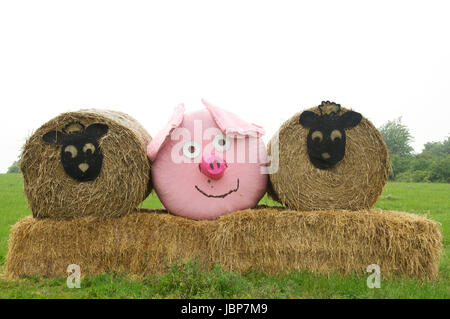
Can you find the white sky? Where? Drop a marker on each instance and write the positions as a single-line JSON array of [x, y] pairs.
[[264, 60]]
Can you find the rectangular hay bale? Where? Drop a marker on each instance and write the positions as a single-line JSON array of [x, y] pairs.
[[345, 242], [270, 240]]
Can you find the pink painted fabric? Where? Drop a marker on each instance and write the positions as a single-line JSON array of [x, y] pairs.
[[208, 163], [230, 124], [158, 140]]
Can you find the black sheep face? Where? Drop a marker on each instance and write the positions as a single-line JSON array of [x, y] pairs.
[[326, 137], [81, 156]]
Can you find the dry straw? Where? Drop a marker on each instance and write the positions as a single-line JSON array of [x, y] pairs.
[[136, 243], [124, 180], [354, 183], [328, 241], [266, 239]]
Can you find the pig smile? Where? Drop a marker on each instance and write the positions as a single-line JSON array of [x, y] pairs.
[[219, 196]]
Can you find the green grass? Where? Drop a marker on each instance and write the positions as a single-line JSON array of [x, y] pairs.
[[191, 281], [13, 206]]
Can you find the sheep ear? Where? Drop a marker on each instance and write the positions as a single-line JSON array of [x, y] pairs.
[[54, 138], [308, 119], [96, 130], [157, 142], [231, 124], [350, 119]]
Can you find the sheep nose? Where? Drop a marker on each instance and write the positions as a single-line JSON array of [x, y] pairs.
[[213, 166], [325, 156], [83, 167]]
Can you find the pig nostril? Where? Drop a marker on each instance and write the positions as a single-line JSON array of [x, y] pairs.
[[213, 166]]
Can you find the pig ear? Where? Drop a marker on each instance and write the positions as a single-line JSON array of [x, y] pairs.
[[230, 124], [156, 143]]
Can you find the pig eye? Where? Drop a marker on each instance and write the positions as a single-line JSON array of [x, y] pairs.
[[89, 146], [221, 143], [72, 150], [317, 135], [335, 134], [191, 149]]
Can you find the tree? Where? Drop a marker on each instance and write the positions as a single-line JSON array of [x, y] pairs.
[[14, 168], [440, 149], [400, 164], [397, 137], [440, 170]]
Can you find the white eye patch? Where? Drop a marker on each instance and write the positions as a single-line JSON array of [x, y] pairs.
[[191, 149], [335, 134], [72, 150], [89, 146], [318, 135], [221, 143]]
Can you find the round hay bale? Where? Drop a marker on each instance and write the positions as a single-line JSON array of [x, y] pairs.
[[90, 162], [344, 166]]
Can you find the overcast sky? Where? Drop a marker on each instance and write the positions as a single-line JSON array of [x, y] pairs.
[[264, 60]]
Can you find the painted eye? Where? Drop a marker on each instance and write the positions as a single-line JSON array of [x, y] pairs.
[[317, 135], [89, 146], [72, 150], [191, 149], [335, 134], [221, 143]]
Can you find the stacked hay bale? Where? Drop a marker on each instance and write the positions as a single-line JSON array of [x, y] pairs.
[[275, 240], [332, 167], [329, 226], [90, 162], [138, 243], [265, 239], [85, 164], [304, 181]]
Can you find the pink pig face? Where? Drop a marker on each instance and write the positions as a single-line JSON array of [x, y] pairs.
[[208, 163]]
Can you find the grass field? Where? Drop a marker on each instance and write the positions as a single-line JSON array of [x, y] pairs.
[[191, 281]]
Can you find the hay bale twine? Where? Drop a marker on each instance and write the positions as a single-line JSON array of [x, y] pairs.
[[90, 162], [305, 182]]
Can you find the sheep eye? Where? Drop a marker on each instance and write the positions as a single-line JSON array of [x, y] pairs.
[[317, 135], [72, 150], [335, 134], [89, 146]]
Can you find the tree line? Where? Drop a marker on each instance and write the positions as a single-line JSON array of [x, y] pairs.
[[431, 165]]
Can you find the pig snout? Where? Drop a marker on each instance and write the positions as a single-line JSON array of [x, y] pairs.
[[213, 166]]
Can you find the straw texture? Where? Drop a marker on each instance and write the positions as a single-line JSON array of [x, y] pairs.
[[124, 180], [271, 240], [355, 182]]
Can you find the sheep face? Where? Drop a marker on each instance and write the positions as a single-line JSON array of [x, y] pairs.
[[326, 137], [81, 155]]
